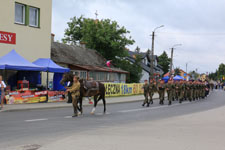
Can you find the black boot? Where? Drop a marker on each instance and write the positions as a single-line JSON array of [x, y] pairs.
[[148, 104], [170, 103], [151, 101]]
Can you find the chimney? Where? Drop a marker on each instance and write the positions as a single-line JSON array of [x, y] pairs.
[[82, 44], [52, 37]]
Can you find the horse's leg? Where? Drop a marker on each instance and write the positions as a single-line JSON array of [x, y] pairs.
[[95, 104], [81, 105], [104, 103]]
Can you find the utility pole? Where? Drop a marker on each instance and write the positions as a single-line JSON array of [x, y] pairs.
[[152, 58], [171, 60], [152, 53]]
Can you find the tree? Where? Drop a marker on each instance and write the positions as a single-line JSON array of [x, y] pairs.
[[176, 71], [105, 36], [134, 69], [137, 50], [194, 75], [164, 61], [219, 74]]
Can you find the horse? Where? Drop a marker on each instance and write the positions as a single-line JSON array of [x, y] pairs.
[[99, 94]]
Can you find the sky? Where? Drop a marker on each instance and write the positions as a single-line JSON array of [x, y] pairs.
[[198, 25]]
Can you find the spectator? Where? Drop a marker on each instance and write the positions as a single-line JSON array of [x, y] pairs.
[[2, 93]]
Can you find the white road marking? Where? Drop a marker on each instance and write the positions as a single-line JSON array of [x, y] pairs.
[[33, 120], [68, 117], [149, 108]]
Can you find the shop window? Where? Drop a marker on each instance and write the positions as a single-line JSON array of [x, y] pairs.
[[33, 16], [19, 13]]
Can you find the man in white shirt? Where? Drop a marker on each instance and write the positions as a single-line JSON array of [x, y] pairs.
[[2, 93]]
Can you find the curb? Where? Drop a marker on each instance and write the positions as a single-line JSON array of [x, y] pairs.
[[69, 105]]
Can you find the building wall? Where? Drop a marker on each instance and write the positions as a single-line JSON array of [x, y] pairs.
[[31, 42], [145, 76]]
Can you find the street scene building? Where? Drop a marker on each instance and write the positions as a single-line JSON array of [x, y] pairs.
[[26, 27], [86, 63], [145, 64]]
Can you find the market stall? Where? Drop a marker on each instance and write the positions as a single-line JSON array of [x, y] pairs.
[[23, 78]]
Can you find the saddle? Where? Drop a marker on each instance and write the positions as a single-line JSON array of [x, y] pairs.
[[91, 85]]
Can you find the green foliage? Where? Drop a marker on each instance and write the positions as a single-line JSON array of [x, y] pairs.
[[219, 74], [108, 38], [137, 49], [164, 61], [134, 69], [194, 75], [105, 36], [176, 71]]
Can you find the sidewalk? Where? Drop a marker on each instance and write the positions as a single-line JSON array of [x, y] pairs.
[[63, 104]]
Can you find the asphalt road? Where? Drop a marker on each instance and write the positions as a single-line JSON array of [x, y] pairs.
[[24, 129]]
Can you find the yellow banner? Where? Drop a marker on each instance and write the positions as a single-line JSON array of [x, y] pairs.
[[119, 89]]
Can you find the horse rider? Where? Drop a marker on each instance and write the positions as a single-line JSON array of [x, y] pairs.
[[75, 91]]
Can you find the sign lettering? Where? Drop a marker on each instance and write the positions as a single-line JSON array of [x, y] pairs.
[[7, 37]]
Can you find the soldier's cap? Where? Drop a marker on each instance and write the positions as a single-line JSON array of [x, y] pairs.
[[145, 80]]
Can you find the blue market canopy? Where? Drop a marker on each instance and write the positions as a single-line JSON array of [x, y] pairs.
[[13, 61], [50, 66], [177, 77], [166, 78]]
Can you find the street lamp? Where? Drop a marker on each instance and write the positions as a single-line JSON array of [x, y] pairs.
[[171, 60], [152, 58]]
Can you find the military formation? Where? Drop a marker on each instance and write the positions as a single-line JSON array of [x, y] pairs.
[[176, 90]]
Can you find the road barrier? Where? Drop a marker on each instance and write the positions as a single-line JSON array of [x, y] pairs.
[[120, 89]]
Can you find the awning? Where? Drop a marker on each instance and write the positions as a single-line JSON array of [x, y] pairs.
[[13, 61], [50, 66]]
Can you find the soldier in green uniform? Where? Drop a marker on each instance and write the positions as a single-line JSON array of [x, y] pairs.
[[190, 97], [185, 90], [194, 90], [203, 90], [197, 90], [161, 91], [152, 89], [169, 88], [146, 93], [177, 90], [181, 91]]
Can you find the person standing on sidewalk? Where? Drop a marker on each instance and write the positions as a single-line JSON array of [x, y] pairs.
[[75, 91], [2, 92], [146, 93]]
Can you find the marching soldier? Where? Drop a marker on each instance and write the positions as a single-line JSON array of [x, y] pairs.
[[152, 89], [190, 90], [181, 91], [177, 90], [161, 91], [146, 93], [169, 88]]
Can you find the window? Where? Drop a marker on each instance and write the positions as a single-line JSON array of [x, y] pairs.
[[19, 13], [33, 16]]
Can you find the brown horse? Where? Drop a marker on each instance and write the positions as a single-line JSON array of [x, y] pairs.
[[98, 94]]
